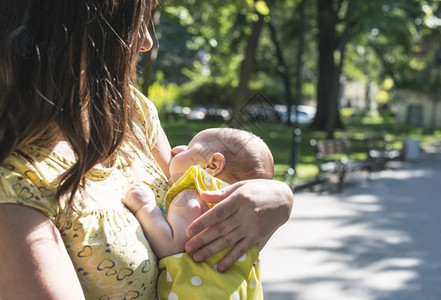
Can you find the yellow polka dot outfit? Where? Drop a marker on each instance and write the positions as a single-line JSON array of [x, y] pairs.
[[182, 278], [111, 256]]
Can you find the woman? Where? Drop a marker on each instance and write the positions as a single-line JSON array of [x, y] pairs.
[[74, 137]]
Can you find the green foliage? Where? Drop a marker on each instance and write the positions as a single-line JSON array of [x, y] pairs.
[[269, 85], [262, 8], [163, 94], [215, 39], [174, 53], [385, 92], [406, 44], [204, 89], [202, 45]]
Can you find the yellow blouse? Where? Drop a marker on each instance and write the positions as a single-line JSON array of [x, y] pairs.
[[112, 258]]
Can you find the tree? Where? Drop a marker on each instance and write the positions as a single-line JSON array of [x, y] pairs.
[[332, 43], [219, 34], [247, 64], [407, 45], [343, 21]]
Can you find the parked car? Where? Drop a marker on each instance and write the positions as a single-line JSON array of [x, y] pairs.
[[200, 112], [305, 113], [197, 113]]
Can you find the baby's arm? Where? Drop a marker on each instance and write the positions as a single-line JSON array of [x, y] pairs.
[[166, 237]]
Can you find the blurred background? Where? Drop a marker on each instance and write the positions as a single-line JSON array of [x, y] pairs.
[[295, 70]]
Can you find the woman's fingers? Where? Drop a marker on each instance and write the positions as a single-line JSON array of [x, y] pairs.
[[239, 249], [236, 238], [219, 195], [219, 213], [218, 231]]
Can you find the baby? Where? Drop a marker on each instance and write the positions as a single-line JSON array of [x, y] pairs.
[[214, 159]]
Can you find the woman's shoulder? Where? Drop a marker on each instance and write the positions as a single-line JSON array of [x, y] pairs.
[[25, 177], [146, 117], [146, 110]]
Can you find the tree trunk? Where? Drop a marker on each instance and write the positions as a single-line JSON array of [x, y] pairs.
[[247, 65], [367, 96], [328, 86], [284, 69], [299, 83]]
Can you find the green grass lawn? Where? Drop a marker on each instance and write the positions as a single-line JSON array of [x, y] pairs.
[[279, 138]]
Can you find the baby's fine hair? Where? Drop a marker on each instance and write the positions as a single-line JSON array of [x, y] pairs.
[[247, 155]]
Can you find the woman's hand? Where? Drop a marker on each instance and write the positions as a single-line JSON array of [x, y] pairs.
[[248, 212]]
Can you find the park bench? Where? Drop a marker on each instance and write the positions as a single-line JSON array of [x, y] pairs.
[[380, 151], [333, 158]]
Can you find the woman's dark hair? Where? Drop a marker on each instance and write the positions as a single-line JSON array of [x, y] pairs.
[[66, 68]]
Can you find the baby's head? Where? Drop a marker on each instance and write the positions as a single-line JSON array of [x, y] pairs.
[[226, 153]]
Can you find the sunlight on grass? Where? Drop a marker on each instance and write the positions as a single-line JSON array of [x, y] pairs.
[[307, 171], [304, 171], [373, 120]]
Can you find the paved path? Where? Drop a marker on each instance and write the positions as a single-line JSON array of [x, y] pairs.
[[376, 240]]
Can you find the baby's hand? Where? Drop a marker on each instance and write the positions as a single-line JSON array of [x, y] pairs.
[[137, 196]]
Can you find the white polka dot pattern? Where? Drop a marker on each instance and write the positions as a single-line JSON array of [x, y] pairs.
[[243, 257], [207, 180], [196, 280], [173, 296], [169, 278]]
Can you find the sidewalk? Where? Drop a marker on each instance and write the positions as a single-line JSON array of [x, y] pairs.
[[376, 240]]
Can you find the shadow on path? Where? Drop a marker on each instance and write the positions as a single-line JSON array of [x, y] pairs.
[[376, 240]]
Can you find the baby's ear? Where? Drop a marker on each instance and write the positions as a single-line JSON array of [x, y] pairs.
[[216, 164]]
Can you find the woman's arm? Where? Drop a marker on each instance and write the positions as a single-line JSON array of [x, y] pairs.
[[162, 152], [248, 212], [34, 261]]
